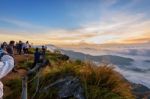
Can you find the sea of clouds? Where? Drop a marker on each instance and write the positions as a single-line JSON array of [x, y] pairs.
[[138, 72]]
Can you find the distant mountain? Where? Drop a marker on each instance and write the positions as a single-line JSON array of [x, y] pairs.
[[51, 47], [115, 49], [141, 52], [148, 61], [139, 90], [113, 59]]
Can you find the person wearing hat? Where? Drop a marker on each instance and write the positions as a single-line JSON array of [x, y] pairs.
[[6, 65]]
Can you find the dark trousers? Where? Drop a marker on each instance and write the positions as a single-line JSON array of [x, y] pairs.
[[34, 63], [19, 51]]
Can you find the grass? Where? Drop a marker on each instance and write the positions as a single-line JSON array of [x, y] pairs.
[[25, 64], [16, 87], [99, 82], [104, 83]]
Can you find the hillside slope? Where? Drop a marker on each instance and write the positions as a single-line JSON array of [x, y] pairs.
[[112, 59], [97, 82]]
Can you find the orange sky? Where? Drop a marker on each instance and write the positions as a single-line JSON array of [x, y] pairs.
[[93, 23], [126, 31]]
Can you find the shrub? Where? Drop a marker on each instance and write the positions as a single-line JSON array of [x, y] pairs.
[[15, 86], [31, 50], [98, 82], [25, 64], [104, 82]]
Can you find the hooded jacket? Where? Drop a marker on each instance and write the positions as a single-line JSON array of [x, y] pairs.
[[6, 65]]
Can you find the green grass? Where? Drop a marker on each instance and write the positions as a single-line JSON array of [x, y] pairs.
[[101, 82], [98, 82], [25, 64], [15, 86]]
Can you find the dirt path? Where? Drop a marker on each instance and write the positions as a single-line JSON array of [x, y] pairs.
[[19, 73]]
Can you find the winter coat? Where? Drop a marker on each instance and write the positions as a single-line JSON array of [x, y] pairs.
[[6, 65]]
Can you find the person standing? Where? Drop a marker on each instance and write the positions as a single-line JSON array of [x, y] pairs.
[[6, 65], [43, 53], [10, 48], [17, 47], [20, 48], [37, 56], [4, 46], [43, 50], [27, 46], [24, 47]]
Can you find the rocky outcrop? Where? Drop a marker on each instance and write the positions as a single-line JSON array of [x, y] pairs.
[[68, 87], [140, 91]]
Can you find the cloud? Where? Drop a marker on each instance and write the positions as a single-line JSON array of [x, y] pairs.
[[21, 24], [118, 27], [110, 26], [121, 28], [139, 40], [58, 36]]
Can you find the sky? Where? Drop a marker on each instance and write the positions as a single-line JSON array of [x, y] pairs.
[[69, 22]]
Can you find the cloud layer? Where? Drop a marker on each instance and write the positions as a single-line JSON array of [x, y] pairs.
[[112, 26]]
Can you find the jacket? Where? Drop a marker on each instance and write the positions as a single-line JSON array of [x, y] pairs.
[[6, 65]]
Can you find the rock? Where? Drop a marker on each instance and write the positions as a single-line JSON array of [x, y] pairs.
[[63, 57], [140, 91], [68, 87]]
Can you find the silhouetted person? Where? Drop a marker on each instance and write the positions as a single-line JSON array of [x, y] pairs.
[[10, 48], [43, 51], [17, 47], [37, 56], [26, 47], [20, 45], [4, 46]]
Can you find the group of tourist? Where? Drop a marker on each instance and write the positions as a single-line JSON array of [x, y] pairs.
[[21, 47], [39, 55], [7, 52], [6, 61]]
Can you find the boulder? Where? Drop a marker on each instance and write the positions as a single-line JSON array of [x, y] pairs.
[[68, 87]]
